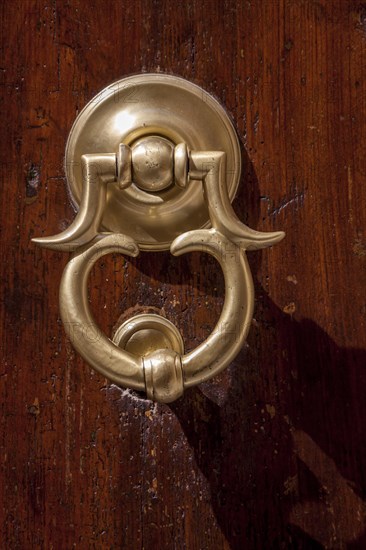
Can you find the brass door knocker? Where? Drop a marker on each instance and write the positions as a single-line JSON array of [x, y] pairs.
[[153, 163]]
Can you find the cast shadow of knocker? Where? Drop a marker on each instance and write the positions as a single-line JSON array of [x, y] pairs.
[[280, 435], [283, 447]]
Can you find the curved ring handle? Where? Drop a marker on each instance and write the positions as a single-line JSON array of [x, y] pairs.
[[169, 372]]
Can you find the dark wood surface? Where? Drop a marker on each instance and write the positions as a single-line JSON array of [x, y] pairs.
[[273, 453]]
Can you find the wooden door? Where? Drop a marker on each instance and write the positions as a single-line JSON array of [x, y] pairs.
[[272, 454]]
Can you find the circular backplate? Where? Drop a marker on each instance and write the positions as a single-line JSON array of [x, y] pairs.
[[152, 104]]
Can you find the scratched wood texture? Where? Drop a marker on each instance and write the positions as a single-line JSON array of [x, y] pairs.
[[273, 453]]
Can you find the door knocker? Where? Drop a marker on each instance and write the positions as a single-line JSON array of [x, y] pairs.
[[153, 163]]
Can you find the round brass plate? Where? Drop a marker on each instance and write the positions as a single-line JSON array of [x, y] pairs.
[[159, 105]]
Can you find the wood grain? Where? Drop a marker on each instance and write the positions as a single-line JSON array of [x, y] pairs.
[[272, 454]]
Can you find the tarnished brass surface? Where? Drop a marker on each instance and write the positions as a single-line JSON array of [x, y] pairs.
[[147, 352]]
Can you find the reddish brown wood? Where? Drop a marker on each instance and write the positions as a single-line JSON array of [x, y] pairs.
[[272, 454]]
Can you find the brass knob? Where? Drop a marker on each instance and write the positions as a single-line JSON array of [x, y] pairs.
[[157, 168], [152, 163]]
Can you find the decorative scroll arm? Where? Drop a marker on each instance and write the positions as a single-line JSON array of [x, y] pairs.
[[98, 171], [210, 167]]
